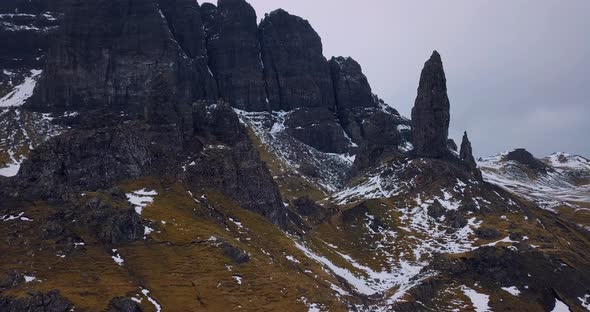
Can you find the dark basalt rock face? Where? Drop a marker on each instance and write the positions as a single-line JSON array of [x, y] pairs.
[[296, 72], [466, 154], [318, 128], [123, 55], [231, 163], [234, 54], [88, 159], [25, 29], [36, 302], [522, 156], [184, 21], [351, 87], [430, 115], [29, 6]]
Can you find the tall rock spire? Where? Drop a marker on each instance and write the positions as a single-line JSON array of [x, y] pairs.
[[466, 154], [430, 115]]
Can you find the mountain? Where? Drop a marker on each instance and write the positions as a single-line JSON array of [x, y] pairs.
[[166, 155], [559, 182]]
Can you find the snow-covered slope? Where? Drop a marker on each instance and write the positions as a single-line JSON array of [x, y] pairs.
[[566, 181], [329, 169]]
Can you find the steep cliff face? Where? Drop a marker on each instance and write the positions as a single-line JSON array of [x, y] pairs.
[[184, 22], [430, 115], [234, 54], [351, 87], [296, 72], [123, 55], [25, 29]]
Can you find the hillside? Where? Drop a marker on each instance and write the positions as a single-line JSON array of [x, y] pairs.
[[166, 155]]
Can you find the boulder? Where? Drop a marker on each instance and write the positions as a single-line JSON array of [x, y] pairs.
[[237, 255]]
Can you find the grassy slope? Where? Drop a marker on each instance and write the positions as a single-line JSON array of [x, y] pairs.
[[182, 270]]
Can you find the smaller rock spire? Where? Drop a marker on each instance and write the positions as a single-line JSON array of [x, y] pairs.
[[466, 154]]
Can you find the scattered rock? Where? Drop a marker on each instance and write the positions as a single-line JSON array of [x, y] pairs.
[[122, 304], [10, 279], [487, 233], [237, 255], [51, 301]]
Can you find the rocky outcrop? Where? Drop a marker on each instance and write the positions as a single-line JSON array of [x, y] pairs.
[[318, 128], [522, 156], [36, 302], [296, 72], [466, 155], [430, 115], [234, 54], [237, 255], [111, 219], [89, 159], [121, 304], [351, 87], [230, 163]]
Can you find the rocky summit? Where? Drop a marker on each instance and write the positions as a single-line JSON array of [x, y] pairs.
[[169, 155]]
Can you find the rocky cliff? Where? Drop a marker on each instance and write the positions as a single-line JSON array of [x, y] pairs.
[[164, 155]]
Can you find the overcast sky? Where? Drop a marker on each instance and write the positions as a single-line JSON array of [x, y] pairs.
[[518, 71]]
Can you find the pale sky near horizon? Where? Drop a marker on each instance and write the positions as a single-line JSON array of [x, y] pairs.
[[518, 71]]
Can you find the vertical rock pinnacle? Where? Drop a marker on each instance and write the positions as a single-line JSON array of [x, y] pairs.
[[430, 115]]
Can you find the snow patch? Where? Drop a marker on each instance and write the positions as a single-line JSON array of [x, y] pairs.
[[141, 199], [146, 293], [560, 306], [480, 301], [512, 290], [117, 258], [22, 92], [237, 278]]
